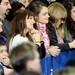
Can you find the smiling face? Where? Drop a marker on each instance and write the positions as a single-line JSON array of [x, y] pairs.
[[29, 22], [73, 13], [4, 7], [43, 15], [4, 55]]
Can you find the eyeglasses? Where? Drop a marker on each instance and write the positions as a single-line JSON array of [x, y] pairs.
[[63, 19]]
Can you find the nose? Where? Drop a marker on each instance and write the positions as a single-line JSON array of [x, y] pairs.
[[47, 15], [62, 21], [9, 6]]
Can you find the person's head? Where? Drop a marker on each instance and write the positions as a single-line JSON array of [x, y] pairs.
[[40, 11], [4, 8], [25, 2], [72, 10], [73, 13], [22, 22], [57, 13], [24, 57], [4, 56]]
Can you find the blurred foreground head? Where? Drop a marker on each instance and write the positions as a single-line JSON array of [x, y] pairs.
[[25, 58]]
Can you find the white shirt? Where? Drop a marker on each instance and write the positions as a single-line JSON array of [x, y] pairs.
[[17, 40]]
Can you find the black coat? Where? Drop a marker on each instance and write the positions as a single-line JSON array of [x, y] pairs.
[[53, 38]]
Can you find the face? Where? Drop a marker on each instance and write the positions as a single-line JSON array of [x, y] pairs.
[[73, 13], [4, 7], [34, 65], [25, 2], [43, 15], [4, 55], [29, 22]]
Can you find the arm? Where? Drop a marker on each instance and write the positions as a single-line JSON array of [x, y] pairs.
[[53, 39]]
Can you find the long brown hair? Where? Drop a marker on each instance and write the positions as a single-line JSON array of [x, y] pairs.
[[18, 24]]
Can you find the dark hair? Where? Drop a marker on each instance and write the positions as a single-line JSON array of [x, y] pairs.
[[0, 1], [21, 54], [70, 23], [35, 7], [15, 6], [18, 24]]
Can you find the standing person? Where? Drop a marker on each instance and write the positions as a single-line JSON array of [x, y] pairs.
[[41, 17], [4, 10]]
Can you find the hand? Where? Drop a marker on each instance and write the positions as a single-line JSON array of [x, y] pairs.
[[36, 37], [54, 50], [72, 44]]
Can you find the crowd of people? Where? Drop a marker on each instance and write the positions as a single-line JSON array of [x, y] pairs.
[[37, 37]]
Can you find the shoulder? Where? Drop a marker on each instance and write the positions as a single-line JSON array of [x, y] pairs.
[[17, 40]]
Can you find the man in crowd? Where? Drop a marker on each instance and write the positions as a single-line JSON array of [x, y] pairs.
[[4, 10]]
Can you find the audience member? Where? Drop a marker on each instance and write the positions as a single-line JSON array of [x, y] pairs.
[[4, 10], [6, 67], [25, 59], [41, 18]]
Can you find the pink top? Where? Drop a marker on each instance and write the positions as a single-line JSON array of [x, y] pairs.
[[44, 36]]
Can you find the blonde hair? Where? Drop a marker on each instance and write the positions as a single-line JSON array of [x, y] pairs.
[[57, 11]]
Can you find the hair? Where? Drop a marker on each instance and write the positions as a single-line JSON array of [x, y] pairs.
[[3, 44], [0, 1], [18, 24], [35, 7], [70, 22], [21, 54], [15, 6], [57, 11]]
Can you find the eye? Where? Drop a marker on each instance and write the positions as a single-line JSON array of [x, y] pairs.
[[1, 51], [6, 3], [31, 17], [74, 11], [46, 13]]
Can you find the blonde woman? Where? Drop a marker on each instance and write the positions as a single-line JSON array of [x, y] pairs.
[[59, 34], [58, 31]]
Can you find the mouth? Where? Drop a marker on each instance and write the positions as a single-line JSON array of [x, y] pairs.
[[7, 12]]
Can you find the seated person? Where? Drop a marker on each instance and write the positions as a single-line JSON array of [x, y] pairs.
[[24, 58], [4, 60]]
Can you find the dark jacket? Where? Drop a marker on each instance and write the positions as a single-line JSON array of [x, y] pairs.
[[53, 37], [1, 69], [41, 50]]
